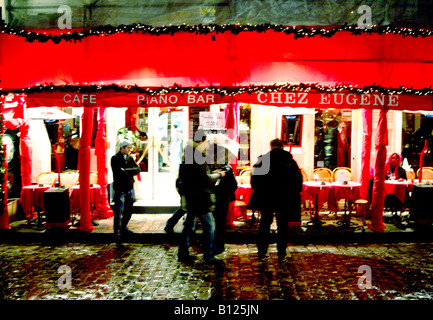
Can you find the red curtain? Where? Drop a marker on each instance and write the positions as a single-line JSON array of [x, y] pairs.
[[14, 106], [103, 210], [84, 160], [232, 125], [25, 148], [4, 216], [367, 118], [342, 144], [378, 195]]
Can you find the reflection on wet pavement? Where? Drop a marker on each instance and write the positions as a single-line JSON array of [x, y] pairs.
[[152, 272]]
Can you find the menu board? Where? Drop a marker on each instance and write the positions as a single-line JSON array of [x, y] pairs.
[[194, 119]]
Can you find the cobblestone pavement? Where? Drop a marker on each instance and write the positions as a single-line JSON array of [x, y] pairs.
[[152, 272]]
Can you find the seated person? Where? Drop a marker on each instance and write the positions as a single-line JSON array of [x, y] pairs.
[[394, 172], [393, 169]]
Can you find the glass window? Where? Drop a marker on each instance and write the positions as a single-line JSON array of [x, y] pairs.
[[291, 130]]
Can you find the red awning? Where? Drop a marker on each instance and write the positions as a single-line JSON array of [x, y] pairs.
[[222, 60]]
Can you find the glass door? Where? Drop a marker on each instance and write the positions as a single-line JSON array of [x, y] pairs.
[[161, 153]]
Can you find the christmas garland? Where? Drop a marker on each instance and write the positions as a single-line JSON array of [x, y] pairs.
[[296, 31], [223, 91]]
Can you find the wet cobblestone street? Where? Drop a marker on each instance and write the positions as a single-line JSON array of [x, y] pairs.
[[152, 272]]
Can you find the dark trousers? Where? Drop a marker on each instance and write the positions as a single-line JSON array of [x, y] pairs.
[[266, 219], [220, 216], [174, 219], [123, 204]]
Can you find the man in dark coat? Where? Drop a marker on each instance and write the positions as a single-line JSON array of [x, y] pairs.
[[277, 183], [124, 169], [198, 189]]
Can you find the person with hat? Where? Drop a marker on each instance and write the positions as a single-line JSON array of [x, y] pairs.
[[198, 191], [124, 169]]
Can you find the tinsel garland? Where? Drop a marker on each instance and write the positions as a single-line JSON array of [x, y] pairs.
[[223, 91], [296, 31]]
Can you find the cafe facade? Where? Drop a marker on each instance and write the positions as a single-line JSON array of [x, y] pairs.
[[159, 81]]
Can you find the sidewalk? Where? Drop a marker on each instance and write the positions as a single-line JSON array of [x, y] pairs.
[[149, 228]]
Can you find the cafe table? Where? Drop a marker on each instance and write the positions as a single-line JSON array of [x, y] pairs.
[[398, 188], [421, 203], [318, 192], [33, 196], [74, 196], [347, 191]]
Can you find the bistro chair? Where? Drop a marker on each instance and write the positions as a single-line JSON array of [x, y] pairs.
[[427, 173], [410, 175], [323, 174], [68, 179], [347, 172], [242, 207], [48, 178], [361, 207], [244, 176], [305, 175]]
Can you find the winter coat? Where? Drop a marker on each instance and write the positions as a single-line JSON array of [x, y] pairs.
[[123, 180], [276, 181]]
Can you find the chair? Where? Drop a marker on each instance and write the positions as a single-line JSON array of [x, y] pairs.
[[410, 175], [47, 178], [361, 207], [242, 207], [93, 177], [323, 174], [68, 179], [244, 176], [305, 175], [337, 172], [427, 173]]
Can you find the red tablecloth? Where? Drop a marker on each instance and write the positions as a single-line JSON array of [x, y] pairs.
[[398, 188], [243, 193], [32, 196], [311, 189], [74, 196], [339, 191]]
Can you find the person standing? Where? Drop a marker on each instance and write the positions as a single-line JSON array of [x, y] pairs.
[[197, 186], [124, 169], [225, 189], [277, 184]]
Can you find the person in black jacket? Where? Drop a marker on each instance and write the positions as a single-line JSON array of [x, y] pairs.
[[225, 189], [198, 189], [277, 183], [124, 169]]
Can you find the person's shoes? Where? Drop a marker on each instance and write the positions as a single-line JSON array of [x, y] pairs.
[[219, 250], [214, 262], [120, 246], [263, 257], [188, 258], [282, 259], [168, 229], [128, 231]]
